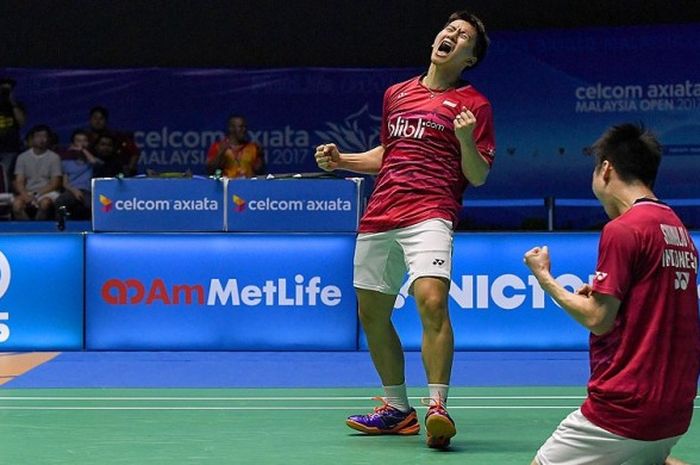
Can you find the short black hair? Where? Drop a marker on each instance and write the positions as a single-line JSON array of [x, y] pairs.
[[77, 132], [632, 149], [39, 128], [106, 136], [101, 110], [481, 45]]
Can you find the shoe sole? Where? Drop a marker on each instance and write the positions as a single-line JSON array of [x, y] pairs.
[[439, 431], [402, 430]]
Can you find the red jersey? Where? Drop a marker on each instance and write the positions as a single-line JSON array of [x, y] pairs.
[[421, 173], [644, 373]]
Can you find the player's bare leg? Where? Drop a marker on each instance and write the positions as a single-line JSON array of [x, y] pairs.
[[437, 351], [395, 416], [385, 348], [438, 339]]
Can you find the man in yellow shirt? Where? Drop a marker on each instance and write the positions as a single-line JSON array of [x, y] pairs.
[[235, 155]]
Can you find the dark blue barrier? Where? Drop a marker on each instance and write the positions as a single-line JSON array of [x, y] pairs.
[[41, 299], [220, 292], [496, 304]]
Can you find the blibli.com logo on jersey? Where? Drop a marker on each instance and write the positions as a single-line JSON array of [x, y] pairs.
[[412, 128]]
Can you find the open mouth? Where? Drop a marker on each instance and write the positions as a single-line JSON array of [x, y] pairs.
[[445, 47]]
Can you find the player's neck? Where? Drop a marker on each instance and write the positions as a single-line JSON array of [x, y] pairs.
[[625, 198], [440, 78]]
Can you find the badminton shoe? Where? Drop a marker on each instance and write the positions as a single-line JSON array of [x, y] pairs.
[[439, 426], [385, 419]]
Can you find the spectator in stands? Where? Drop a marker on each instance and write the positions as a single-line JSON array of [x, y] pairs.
[[105, 150], [124, 145], [12, 119], [77, 164], [37, 177], [234, 155]]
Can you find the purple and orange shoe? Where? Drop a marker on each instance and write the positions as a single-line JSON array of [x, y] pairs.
[[439, 426], [385, 419]]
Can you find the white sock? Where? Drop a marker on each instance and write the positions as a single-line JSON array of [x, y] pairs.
[[397, 397], [439, 392]]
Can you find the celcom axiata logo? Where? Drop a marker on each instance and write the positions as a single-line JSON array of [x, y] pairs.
[[239, 203], [106, 203]]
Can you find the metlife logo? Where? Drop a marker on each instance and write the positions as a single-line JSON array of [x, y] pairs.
[[223, 292]]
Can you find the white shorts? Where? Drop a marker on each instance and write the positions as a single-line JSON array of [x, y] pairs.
[[577, 441], [53, 195], [382, 259]]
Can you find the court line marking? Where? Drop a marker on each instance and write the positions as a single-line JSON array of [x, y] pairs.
[[257, 399], [457, 407]]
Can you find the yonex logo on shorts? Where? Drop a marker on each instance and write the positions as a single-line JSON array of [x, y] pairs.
[[439, 262]]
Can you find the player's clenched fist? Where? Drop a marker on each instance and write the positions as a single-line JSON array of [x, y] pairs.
[[537, 259], [327, 157], [464, 123]]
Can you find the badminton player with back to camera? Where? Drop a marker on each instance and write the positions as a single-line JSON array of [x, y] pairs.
[[436, 139], [642, 311]]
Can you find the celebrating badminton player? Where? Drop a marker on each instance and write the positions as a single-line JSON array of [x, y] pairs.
[[642, 311], [436, 139]]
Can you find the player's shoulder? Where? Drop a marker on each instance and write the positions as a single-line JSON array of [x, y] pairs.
[[402, 86], [467, 92]]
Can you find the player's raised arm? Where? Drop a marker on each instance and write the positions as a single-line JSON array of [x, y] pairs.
[[328, 158], [593, 310]]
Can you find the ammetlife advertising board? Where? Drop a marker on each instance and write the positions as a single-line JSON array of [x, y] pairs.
[[220, 292], [41, 292], [294, 205], [154, 204]]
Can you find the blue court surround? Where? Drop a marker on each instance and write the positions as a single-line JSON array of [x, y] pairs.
[[292, 369]]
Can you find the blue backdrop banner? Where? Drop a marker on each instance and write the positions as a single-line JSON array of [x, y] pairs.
[[294, 205], [145, 204], [553, 93], [41, 301], [220, 292], [496, 304]]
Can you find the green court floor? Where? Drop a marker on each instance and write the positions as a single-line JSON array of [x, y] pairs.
[[498, 426]]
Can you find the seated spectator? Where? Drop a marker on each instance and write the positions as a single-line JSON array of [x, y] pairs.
[[77, 164], [37, 178], [234, 155], [124, 145], [105, 152], [12, 119]]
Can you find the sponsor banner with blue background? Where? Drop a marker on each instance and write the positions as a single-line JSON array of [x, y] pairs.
[[41, 299], [496, 304], [553, 94], [220, 292], [146, 204], [296, 205]]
